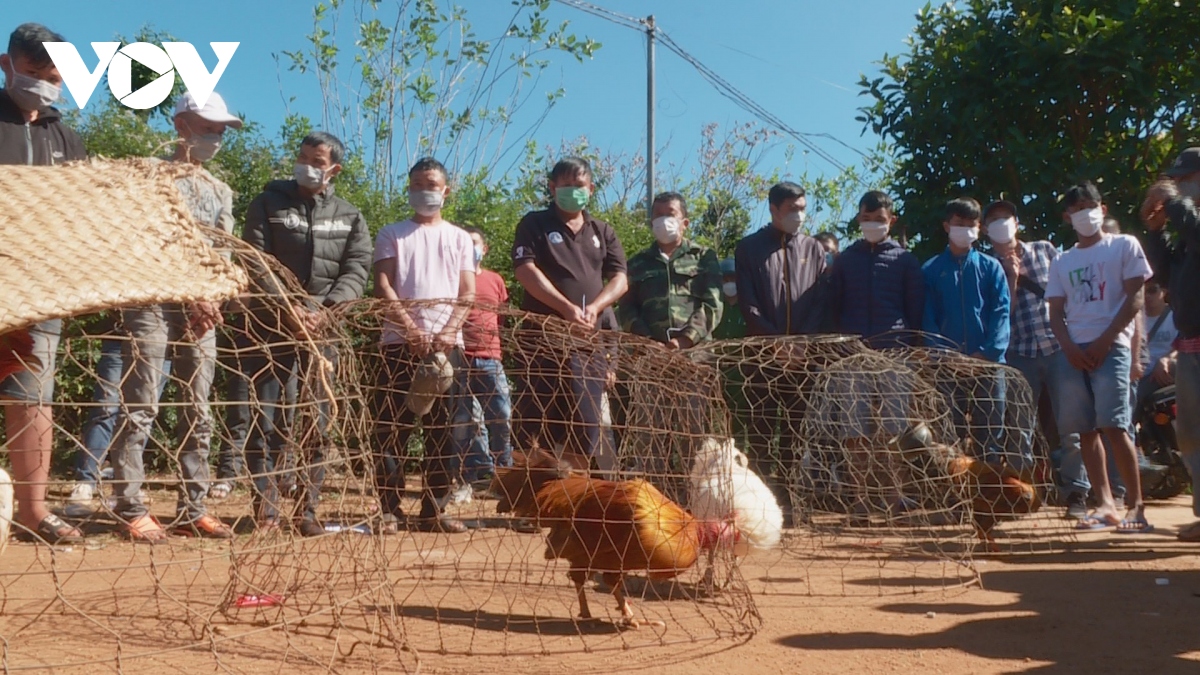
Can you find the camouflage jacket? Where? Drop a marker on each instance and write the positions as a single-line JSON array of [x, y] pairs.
[[672, 298], [733, 324]]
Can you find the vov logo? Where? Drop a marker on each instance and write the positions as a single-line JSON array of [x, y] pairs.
[[118, 60]]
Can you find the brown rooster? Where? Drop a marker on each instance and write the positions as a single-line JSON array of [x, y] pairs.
[[609, 527], [16, 353], [997, 492]]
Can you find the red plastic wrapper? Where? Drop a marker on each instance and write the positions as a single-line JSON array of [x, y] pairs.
[[268, 600]]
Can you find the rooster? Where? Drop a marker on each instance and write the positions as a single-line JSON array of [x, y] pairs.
[[722, 486], [16, 353], [610, 527], [997, 492]]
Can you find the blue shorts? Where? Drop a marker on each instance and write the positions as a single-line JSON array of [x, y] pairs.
[[1099, 399], [36, 385]]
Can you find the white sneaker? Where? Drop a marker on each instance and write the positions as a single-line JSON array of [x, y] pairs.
[[463, 494], [82, 493]]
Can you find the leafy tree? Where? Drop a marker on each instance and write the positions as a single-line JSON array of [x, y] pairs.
[[1021, 98]]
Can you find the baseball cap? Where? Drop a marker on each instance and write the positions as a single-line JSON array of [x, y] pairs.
[[213, 110], [1000, 204], [433, 377], [1187, 162], [727, 266]]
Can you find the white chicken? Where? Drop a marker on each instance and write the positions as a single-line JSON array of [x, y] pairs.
[[6, 508], [724, 487]]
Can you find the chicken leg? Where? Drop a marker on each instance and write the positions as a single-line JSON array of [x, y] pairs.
[[579, 577], [628, 620]]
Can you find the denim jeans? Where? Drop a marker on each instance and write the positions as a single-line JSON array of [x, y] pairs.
[[1087, 401], [271, 428], [484, 415], [1187, 420], [154, 332], [1038, 371], [102, 419], [979, 414]]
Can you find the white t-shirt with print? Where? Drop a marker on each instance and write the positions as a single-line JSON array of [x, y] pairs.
[[429, 262], [1092, 280], [1159, 345]]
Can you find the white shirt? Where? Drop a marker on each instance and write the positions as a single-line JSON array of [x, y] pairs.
[[1092, 280], [429, 262], [1159, 345]]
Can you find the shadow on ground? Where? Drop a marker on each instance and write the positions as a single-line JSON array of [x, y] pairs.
[[1065, 619]]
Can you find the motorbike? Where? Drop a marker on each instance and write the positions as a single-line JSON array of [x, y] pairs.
[[1155, 421]]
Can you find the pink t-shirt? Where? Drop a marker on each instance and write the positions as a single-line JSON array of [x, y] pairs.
[[429, 262]]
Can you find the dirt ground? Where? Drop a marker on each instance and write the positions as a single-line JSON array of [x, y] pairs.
[[487, 603]]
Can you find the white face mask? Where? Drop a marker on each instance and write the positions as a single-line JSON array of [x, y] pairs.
[[791, 221], [31, 93], [963, 237], [1189, 188], [874, 232], [1087, 222], [1002, 230], [667, 229], [309, 176], [426, 202], [729, 288]]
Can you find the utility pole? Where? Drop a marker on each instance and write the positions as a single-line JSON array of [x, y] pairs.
[[649, 116]]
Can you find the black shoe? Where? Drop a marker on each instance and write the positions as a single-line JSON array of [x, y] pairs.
[[524, 526], [1077, 508], [309, 527], [444, 524]]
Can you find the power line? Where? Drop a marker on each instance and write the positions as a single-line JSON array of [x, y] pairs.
[[723, 86]]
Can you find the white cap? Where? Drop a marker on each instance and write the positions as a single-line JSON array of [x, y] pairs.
[[214, 109]]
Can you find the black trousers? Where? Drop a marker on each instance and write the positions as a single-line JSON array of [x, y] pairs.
[[394, 426]]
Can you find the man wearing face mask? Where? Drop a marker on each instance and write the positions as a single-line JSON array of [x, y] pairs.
[[876, 286], [674, 292], [780, 292], [1174, 200], [1095, 293], [571, 265], [32, 133], [967, 302], [733, 324], [324, 241], [432, 261], [188, 332]]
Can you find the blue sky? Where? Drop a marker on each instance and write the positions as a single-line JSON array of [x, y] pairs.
[[800, 59]]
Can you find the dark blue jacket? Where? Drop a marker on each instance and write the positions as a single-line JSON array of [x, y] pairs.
[[967, 301], [876, 288]]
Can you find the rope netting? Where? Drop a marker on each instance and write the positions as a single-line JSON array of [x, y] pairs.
[[634, 487]]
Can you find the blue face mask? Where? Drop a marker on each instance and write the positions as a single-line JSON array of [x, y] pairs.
[[478, 255], [829, 258]]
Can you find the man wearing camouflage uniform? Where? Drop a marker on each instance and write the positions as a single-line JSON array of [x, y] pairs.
[[674, 294]]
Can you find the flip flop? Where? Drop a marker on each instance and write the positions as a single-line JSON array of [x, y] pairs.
[[1093, 523], [1134, 526]]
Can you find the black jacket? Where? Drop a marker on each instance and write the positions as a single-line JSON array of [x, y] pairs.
[[44, 142], [323, 240], [1179, 262], [876, 288], [779, 280]]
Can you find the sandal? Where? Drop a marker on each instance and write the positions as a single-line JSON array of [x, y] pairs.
[[145, 529], [52, 530], [219, 491], [444, 524], [1136, 525], [206, 526]]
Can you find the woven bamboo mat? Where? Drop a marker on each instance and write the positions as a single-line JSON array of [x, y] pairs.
[[103, 234]]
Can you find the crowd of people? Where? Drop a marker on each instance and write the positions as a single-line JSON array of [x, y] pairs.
[[1097, 325]]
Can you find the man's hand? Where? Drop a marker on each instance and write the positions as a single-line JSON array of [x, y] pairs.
[[1163, 373], [1153, 212], [590, 314], [202, 317], [445, 341], [1098, 351], [1078, 358], [1136, 370]]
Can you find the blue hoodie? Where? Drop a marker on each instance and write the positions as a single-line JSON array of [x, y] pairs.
[[967, 301]]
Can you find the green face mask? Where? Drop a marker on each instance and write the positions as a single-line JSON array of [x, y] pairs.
[[571, 199]]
